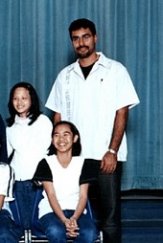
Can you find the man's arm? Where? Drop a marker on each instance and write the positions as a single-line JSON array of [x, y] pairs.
[[57, 117], [119, 128], [109, 160]]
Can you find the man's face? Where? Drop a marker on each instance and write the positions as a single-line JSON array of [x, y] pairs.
[[83, 42]]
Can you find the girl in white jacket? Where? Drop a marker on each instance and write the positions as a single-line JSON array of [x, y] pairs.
[[28, 140]]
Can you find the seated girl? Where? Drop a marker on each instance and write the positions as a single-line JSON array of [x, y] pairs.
[[62, 211]]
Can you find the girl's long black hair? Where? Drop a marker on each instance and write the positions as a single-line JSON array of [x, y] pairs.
[[34, 110]]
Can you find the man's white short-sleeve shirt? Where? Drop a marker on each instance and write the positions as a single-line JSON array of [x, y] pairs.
[[91, 103]]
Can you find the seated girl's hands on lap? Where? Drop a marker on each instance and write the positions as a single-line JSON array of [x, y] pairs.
[[72, 227]]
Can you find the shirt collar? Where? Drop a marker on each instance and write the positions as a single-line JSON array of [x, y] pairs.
[[103, 61], [20, 120]]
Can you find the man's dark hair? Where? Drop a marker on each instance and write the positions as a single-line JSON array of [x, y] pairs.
[[82, 23]]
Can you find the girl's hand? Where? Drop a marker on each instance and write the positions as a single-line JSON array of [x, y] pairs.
[[73, 222], [72, 227]]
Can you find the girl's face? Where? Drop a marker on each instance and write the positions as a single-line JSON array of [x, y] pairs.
[[63, 138], [21, 101]]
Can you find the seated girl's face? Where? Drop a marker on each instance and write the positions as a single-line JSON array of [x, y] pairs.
[[63, 138], [21, 101]]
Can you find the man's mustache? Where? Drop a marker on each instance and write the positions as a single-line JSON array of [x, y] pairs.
[[80, 47]]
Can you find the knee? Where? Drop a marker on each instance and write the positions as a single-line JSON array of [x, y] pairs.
[[6, 236], [55, 233], [88, 235]]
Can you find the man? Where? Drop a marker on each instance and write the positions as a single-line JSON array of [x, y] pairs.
[[95, 93]]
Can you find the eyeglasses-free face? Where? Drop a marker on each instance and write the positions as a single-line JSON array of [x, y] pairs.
[[83, 42]]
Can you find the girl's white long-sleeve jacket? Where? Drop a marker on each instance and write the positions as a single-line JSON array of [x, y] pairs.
[[29, 143]]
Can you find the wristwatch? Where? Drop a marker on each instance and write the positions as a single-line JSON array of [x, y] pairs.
[[112, 151]]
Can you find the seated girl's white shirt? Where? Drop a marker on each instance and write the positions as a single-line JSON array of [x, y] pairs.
[[66, 183]]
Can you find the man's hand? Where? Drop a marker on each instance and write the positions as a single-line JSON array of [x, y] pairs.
[[109, 162]]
